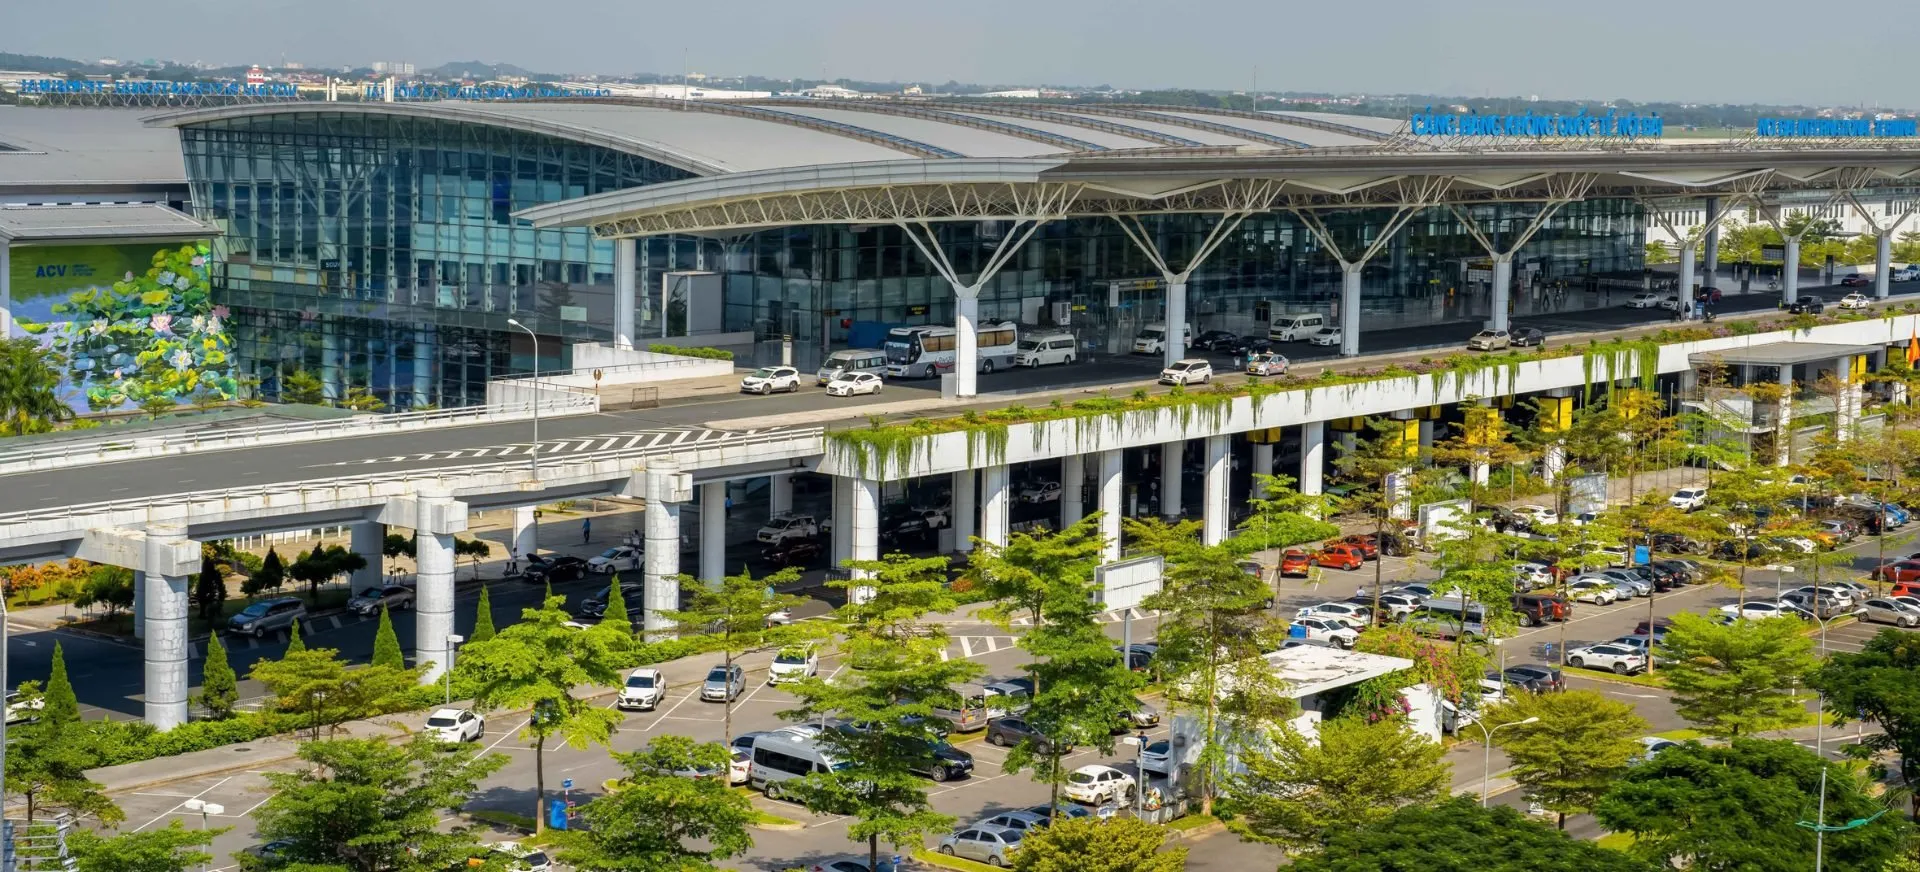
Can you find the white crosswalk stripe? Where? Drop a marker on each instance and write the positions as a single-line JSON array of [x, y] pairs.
[[974, 646], [651, 438]]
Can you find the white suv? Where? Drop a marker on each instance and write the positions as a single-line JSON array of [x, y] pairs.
[[768, 379], [1688, 499], [643, 691], [1192, 370]]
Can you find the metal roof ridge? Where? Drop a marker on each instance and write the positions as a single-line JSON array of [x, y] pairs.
[[1194, 123], [1039, 114], [717, 107], [946, 117]]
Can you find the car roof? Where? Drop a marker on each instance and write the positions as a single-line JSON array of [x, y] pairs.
[[447, 713]]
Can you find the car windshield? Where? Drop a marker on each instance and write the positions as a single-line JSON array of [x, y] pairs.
[[372, 591], [255, 610], [1484, 334], [1152, 334], [439, 722], [610, 553], [764, 372], [1159, 747], [639, 681], [790, 658], [717, 675], [1080, 778], [1027, 345]]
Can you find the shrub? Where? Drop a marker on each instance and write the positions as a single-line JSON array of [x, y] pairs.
[[691, 351]]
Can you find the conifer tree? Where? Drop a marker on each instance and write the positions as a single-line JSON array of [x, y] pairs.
[[483, 618], [386, 645]]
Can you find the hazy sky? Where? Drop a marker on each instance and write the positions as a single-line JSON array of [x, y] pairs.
[[1700, 50]]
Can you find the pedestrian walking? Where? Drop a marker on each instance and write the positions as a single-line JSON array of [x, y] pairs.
[[586, 530]]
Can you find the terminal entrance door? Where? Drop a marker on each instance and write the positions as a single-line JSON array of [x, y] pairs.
[[1130, 304]]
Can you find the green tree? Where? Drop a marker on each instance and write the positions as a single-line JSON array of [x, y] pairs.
[[901, 673], [294, 642], [323, 563], [60, 706], [361, 399], [29, 388], [314, 682], [1460, 836], [1306, 788], [483, 617], [474, 550], [172, 848], [302, 387], [735, 614], [386, 645], [535, 665], [1734, 807], [1388, 451], [47, 759], [1278, 515], [157, 405], [218, 688], [110, 587], [1881, 684], [1120, 844], [211, 589], [1566, 760], [1736, 679], [657, 819], [365, 805], [271, 576], [616, 613]]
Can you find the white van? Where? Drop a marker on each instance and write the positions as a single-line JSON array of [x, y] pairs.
[[1152, 339], [782, 756], [1295, 328], [848, 361], [1045, 349], [980, 703]]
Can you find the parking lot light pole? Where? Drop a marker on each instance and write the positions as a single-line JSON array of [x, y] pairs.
[[1140, 766], [533, 456], [206, 810], [1486, 753]]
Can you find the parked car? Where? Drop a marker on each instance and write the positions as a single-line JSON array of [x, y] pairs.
[[1489, 340], [1644, 300], [1855, 301], [1021, 821], [1355, 615], [1216, 340], [1034, 352], [21, 710], [596, 605], [849, 384], [369, 601], [1332, 631], [1689, 499], [1347, 557], [1394, 607], [990, 845], [1537, 608], [1536, 516], [794, 552], [1266, 363], [1539, 679], [1898, 571], [1011, 730], [1362, 541], [1528, 337], [1888, 610], [1139, 716], [1095, 784], [1294, 563], [783, 527], [1610, 656], [1040, 492], [1760, 610], [1325, 336], [643, 691], [1854, 280], [1598, 591], [793, 663], [724, 683], [1189, 371], [1807, 304], [1154, 758], [455, 725], [768, 379], [1908, 273], [543, 568], [268, 616], [614, 559]]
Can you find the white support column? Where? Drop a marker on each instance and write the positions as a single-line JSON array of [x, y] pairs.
[[1847, 400], [966, 350], [1111, 465], [1426, 434], [1884, 227], [995, 505], [1502, 290], [166, 628], [625, 256], [1783, 431], [966, 344], [779, 494], [966, 512], [369, 540], [1073, 481], [842, 514], [1686, 269], [526, 532], [1790, 270], [1262, 465], [437, 517], [866, 533], [1177, 337], [713, 532], [139, 604], [1712, 242], [1349, 319], [1172, 500], [1882, 265], [6, 290], [1313, 457], [1218, 506], [666, 490], [1257, 199], [1553, 461]]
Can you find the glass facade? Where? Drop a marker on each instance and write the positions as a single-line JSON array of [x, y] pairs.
[[380, 251]]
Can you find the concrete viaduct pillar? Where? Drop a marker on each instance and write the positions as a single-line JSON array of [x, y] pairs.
[[865, 524], [666, 488], [526, 533], [1112, 462], [434, 516], [1073, 482], [965, 516], [995, 505], [369, 540], [1172, 500], [713, 532], [1218, 490], [164, 562]]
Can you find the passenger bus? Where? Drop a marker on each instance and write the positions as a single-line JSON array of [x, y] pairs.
[[924, 352]]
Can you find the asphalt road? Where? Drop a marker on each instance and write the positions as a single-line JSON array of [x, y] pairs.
[[433, 449]]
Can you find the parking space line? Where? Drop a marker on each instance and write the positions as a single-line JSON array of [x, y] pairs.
[[503, 736], [169, 812]]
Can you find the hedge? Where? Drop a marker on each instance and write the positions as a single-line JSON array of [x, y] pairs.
[[691, 351]]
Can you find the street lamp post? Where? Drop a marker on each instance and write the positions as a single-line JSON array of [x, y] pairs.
[[1486, 753], [453, 641], [206, 810], [533, 456], [1140, 766], [1820, 698], [1821, 829]]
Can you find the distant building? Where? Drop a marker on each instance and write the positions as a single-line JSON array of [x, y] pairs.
[[108, 62], [662, 91], [256, 76], [1017, 93], [392, 68], [831, 92]]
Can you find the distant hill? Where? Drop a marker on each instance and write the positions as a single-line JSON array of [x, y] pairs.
[[481, 70], [40, 64]]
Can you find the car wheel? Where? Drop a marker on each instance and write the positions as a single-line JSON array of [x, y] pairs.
[[1526, 620], [939, 774], [259, 632], [947, 850], [773, 792], [1621, 668], [995, 861], [986, 365], [1354, 568], [996, 740], [1577, 662]]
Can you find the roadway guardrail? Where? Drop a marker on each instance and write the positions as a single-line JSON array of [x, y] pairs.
[[113, 449]]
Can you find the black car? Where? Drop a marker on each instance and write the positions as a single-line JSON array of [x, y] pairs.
[[1140, 656], [1730, 550], [1538, 679], [1674, 543], [1806, 304], [794, 552], [1682, 571], [1246, 345], [1527, 336], [1007, 732], [1216, 340], [945, 762], [631, 594], [543, 568]]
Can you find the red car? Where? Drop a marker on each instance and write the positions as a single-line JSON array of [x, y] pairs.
[[1899, 571], [1855, 280], [1347, 557], [1294, 562], [1368, 549]]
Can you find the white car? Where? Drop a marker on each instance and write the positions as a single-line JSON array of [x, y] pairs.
[[1760, 610], [1599, 591], [1537, 516], [1331, 630], [784, 527], [1041, 492], [455, 725], [1857, 301], [1153, 758], [739, 767], [854, 383], [21, 710], [1689, 499], [644, 689], [614, 559], [1533, 575], [1670, 303], [1907, 273], [794, 663], [1190, 371], [1352, 614], [1099, 785], [1325, 336], [524, 859], [768, 379], [1646, 300], [1610, 656]]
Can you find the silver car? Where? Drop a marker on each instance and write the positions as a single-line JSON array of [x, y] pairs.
[[724, 683], [993, 846], [1887, 610]]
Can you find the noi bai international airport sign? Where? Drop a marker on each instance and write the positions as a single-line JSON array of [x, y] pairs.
[[1579, 125]]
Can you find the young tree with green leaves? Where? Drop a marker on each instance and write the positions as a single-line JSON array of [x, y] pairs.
[[483, 617], [315, 682], [47, 758], [475, 550], [219, 689], [654, 817], [1476, 563], [1388, 451], [365, 805], [899, 676], [1120, 844], [738, 615], [1278, 516], [172, 848], [302, 387], [535, 665], [210, 590], [30, 380], [1737, 679], [386, 645], [294, 643], [1881, 684], [1303, 789], [1573, 753], [616, 613], [271, 576], [1460, 836]]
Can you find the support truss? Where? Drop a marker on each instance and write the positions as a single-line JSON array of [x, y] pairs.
[[935, 254], [1249, 196], [1416, 194], [1563, 190]]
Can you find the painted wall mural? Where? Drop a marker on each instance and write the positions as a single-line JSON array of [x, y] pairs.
[[152, 335]]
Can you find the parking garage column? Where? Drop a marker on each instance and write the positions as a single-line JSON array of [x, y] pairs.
[[139, 604], [1073, 481], [168, 564], [1112, 462], [841, 516], [995, 505], [667, 489], [965, 513], [1262, 465], [713, 532], [526, 532], [779, 494], [865, 519], [1215, 517], [369, 540], [1556, 415], [436, 518], [1172, 501], [1790, 270], [1847, 399], [625, 256], [1313, 457]]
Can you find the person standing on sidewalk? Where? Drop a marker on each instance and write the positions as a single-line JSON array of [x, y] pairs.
[[586, 530]]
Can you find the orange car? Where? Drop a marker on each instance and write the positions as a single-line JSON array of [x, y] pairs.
[[1362, 541], [1347, 557], [1294, 563]]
